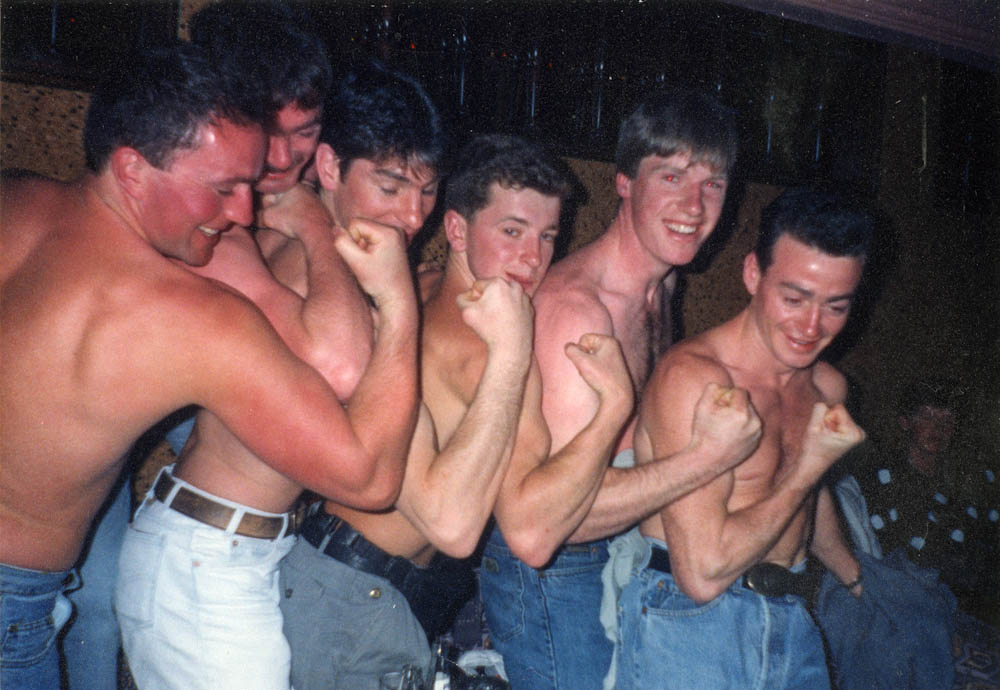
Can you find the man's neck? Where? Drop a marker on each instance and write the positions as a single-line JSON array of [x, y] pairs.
[[628, 268]]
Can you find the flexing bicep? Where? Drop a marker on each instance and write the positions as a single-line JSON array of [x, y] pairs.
[[568, 403], [279, 406]]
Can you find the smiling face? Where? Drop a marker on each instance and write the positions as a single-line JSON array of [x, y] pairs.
[[673, 204], [512, 237], [802, 301], [291, 143], [202, 192], [394, 192]]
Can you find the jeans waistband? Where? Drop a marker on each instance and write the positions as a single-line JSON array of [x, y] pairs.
[[29, 582], [213, 511], [433, 593], [767, 579]]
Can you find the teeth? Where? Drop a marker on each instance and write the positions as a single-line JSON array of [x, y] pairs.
[[682, 229], [211, 232]]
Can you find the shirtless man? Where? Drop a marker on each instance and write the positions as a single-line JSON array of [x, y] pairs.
[[241, 644], [103, 335], [269, 44], [725, 607], [364, 591], [673, 159]]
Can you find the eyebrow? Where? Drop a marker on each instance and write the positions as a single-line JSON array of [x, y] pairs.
[[809, 293], [400, 177]]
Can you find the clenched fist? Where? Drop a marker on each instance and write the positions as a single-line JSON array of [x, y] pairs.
[[500, 313], [725, 426], [600, 361]]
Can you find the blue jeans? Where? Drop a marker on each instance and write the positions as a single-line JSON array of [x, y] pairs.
[[32, 610], [91, 640], [739, 640], [178, 436], [546, 622]]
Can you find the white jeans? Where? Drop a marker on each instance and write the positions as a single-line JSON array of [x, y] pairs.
[[198, 606]]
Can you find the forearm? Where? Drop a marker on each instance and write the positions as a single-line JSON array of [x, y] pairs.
[[383, 409], [629, 495], [457, 492], [828, 543], [555, 497], [745, 537]]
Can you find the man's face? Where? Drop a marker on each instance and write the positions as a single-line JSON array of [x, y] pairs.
[[291, 143], [931, 428], [393, 192], [513, 237], [203, 191], [802, 300], [674, 205]]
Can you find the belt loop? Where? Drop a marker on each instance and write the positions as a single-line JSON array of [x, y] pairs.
[[234, 521], [175, 485]]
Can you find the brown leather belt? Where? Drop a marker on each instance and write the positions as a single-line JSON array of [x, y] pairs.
[[209, 512]]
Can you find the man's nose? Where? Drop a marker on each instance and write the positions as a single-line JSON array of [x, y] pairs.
[[411, 213], [239, 209], [531, 253], [279, 153], [810, 323], [692, 202]]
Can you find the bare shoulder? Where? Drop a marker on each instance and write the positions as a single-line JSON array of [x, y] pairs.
[[694, 361], [831, 384]]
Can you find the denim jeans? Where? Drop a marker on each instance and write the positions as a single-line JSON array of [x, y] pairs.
[[32, 611], [739, 640], [198, 606], [546, 622], [91, 640]]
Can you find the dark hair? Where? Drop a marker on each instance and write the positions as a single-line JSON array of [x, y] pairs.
[[269, 47], [378, 113], [821, 220], [928, 392], [157, 102], [509, 161], [669, 122]]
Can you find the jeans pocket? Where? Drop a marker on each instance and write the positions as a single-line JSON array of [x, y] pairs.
[[138, 569], [27, 639], [502, 585]]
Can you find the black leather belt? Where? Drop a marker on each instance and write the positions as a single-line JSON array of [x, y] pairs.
[[767, 579], [209, 512], [434, 593]]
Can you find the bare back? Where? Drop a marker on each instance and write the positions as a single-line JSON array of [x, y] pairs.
[[86, 305]]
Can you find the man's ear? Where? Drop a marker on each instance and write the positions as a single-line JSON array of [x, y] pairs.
[[623, 185], [751, 273], [130, 170], [327, 166], [455, 229]]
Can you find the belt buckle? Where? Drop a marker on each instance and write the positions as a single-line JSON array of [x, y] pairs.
[[767, 579]]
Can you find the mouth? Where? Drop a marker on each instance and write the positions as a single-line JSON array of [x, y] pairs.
[[682, 228], [527, 284], [803, 345], [209, 232]]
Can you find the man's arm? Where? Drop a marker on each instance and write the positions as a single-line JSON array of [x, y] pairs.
[[332, 321], [545, 496], [711, 545], [449, 495], [830, 547], [355, 456]]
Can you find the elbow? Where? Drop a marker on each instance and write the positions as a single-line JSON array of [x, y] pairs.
[[456, 543], [531, 546], [341, 374], [377, 490], [699, 590]]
